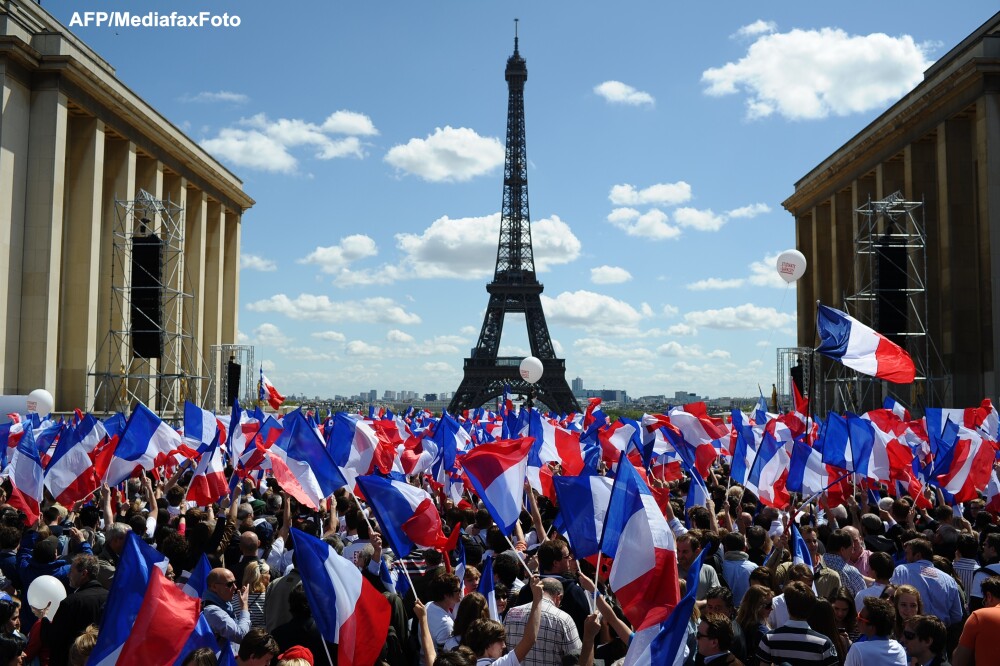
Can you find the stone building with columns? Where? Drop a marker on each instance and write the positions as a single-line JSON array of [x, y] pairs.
[[76, 142], [938, 145]]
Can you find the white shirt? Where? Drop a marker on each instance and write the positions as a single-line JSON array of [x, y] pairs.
[[440, 622], [779, 611], [877, 652]]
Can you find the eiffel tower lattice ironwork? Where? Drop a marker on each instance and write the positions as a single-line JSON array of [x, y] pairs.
[[514, 288]]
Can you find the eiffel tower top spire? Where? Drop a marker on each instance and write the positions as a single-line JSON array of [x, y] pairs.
[[515, 260]]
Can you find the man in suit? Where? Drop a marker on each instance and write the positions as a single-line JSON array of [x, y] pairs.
[[715, 638]]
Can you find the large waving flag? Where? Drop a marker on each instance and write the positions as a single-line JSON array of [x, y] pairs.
[[352, 444], [301, 463], [348, 610], [668, 640], [209, 481], [583, 504], [843, 338], [971, 465], [200, 425], [636, 535], [144, 439], [128, 589], [407, 514], [161, 629], [26, 476], [497, 471], [70, 475]]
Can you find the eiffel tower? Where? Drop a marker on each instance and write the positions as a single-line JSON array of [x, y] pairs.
[[514, 287]]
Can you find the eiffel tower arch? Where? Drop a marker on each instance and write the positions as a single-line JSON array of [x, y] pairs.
[[515, 288]]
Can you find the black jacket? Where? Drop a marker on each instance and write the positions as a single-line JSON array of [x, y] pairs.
[[80, 609]]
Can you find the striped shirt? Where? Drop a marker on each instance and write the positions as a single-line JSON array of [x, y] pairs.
[[796, 644], [557, 634]]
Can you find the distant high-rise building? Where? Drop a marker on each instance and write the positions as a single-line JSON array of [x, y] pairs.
[[577, 386], [388, 395]]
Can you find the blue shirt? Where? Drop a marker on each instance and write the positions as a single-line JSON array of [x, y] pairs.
[[736, 569], [938, 591]]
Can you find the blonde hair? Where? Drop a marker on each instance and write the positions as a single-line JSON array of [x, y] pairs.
[[253, 576], [84, 644], [293, 662]]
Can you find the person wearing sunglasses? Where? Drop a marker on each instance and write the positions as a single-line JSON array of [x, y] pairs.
[[876, 620], [225, 607], [926, 638], [715, 638]]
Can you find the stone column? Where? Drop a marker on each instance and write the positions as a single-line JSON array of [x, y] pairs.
[[81, 262], [14, 122], [42, 247], [213, 288], [988, 198], [194, 351], [231, 280]]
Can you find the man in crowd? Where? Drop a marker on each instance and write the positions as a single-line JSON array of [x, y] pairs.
[[876, 621], [715, 640], [558, 639], [794, 643], [938, 591]]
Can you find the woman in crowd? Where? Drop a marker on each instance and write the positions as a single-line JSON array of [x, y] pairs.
[[752, 618], [256, 577], [472, 607], [846, 613], [823, 619], [907, 602]]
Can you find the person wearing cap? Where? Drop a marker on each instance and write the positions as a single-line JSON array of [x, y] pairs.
[[296, 656], [83, 607]]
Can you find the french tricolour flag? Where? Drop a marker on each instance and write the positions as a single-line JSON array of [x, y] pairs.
[[348, 610], [145, 437], [487, 588], [200, 425], [70, 475], [971, 465], [165, 620], [209, 481], [301, 463], [269, 393], [407, 514], [26, 477], [843, 338], [497, 471], [636, 535], [583, 504]]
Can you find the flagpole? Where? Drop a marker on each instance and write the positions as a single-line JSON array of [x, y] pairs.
[[597, 579], [520, 556], [371, 530], [327, 650]]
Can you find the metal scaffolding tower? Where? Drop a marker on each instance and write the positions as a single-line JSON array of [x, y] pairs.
[[792, 361], [890, 280], [246, 389], [147, 355]]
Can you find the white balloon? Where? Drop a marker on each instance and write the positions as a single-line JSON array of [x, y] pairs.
[[791, 265], [46, 593], [531, 369], [41, 402]]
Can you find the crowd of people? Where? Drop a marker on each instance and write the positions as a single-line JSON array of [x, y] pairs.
[[886, 582]]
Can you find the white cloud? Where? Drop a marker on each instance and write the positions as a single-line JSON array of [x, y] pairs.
[[349, 122], [745, 317], [765, 273], [682, 329], [469, 330], [609, 275], [651, 224], [252, 262], [617, 92], [669, 194], [810, 74], [751, 211], [261, 143], [330, 336], [308, 354], [334, 258], [715, 283], [646, 309], [361, 348], [223, 96], [269, 334], [465, 248], [592, 311], [758, 27], [310, 307], [702, 220], [448, 155], [600, 348], [441, 370], [670, 311], [395, 335]]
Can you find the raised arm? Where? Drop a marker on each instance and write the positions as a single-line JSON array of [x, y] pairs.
[[534, 620]]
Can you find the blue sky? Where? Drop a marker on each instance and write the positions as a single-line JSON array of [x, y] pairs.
[[662, 139]]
